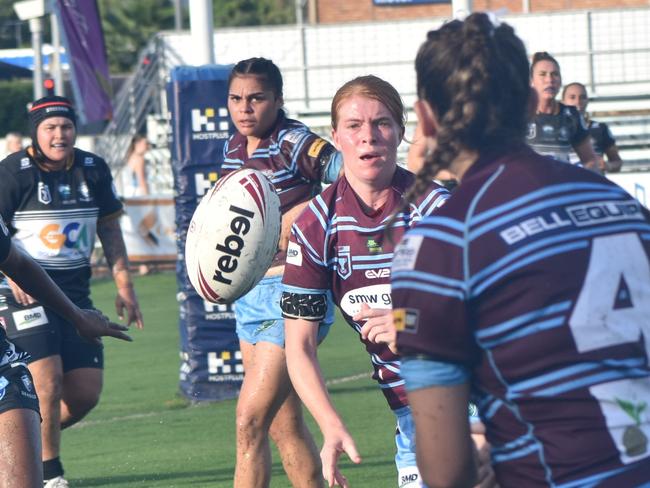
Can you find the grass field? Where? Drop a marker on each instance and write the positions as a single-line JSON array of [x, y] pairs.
[[143, 434]]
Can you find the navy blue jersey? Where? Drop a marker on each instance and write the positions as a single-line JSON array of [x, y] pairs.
[[601, 137], [336, 247], [8, 353], [535, 278], [556, 135], [53, 214]]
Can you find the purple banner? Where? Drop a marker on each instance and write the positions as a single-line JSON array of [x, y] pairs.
[[83, 38]]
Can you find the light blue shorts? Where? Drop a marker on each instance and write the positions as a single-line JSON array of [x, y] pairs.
[[259, 318], [407, 468]]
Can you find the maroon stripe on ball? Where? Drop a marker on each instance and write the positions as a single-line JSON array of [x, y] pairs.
[[205, 287], [253, 186]]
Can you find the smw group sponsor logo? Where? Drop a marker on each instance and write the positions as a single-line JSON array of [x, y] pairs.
[[209, 123], [73, 235]]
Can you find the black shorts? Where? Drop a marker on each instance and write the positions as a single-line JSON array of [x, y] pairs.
[[16, 388], [42, 333]]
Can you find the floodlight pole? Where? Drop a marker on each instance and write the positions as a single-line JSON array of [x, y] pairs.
[[202, 31], [36, 29], [56, 69]]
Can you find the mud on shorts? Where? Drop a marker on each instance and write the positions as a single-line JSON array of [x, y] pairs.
[[408, 475], [17, 388], [259, 317], [42, 333]]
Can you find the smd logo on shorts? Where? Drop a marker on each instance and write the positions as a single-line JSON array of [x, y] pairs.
[[209, 123], [29, 318]]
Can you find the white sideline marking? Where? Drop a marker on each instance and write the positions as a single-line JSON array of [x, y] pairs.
[[89, 423]]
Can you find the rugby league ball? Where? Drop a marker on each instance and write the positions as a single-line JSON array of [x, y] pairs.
[[233, 236]]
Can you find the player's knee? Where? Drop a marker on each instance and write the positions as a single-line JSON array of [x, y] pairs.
[[251, 423], [81, 402], [50, 389]]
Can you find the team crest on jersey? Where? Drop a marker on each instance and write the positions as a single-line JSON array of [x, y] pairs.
[[25, 163], [89, 161], [84, 192], [532, 130], [65, 191], [44, 195], [343, 262], [547, 129]]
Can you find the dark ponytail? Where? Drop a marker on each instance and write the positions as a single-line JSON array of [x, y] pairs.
[[475, 77]]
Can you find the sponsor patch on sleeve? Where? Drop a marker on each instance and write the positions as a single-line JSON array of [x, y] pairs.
[[294, 254], [316, 147], [406, 319], [407, 253]]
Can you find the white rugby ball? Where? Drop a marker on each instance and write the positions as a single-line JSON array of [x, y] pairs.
[[233, 236]]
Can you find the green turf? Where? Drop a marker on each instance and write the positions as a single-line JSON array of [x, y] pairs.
[[143, 434]]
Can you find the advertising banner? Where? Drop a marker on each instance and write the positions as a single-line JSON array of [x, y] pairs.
[[211, 365], [83, 38]]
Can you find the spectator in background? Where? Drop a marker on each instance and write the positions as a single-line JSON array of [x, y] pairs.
[[575, 94], [556, 128], [134, 173], [13, 142]]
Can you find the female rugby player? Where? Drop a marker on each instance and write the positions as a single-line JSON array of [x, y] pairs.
[[529, 289], [296, 161], [57, 199], [339, 247], [603, 142], [556, 128]]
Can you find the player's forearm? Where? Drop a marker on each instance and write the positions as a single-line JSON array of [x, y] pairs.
[[110, 235], [24, 271], [307, 378]]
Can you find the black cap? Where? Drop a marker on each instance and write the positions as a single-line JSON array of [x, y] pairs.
[[44, 108], [50, 106]]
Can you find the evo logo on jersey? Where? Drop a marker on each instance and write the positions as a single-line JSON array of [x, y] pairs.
[[533, 226], [73, 235], [604, 212], [377, 273], [29, 318]]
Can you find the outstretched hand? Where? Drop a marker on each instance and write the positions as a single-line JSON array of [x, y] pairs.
[[126, 300], [335, 444], [92, 324], [379, 326]]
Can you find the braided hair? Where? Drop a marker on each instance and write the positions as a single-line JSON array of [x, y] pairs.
[[475, 77]]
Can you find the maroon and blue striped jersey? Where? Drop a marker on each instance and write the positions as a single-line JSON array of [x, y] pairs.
[[295, 160], [535, 279], [335, 247]]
